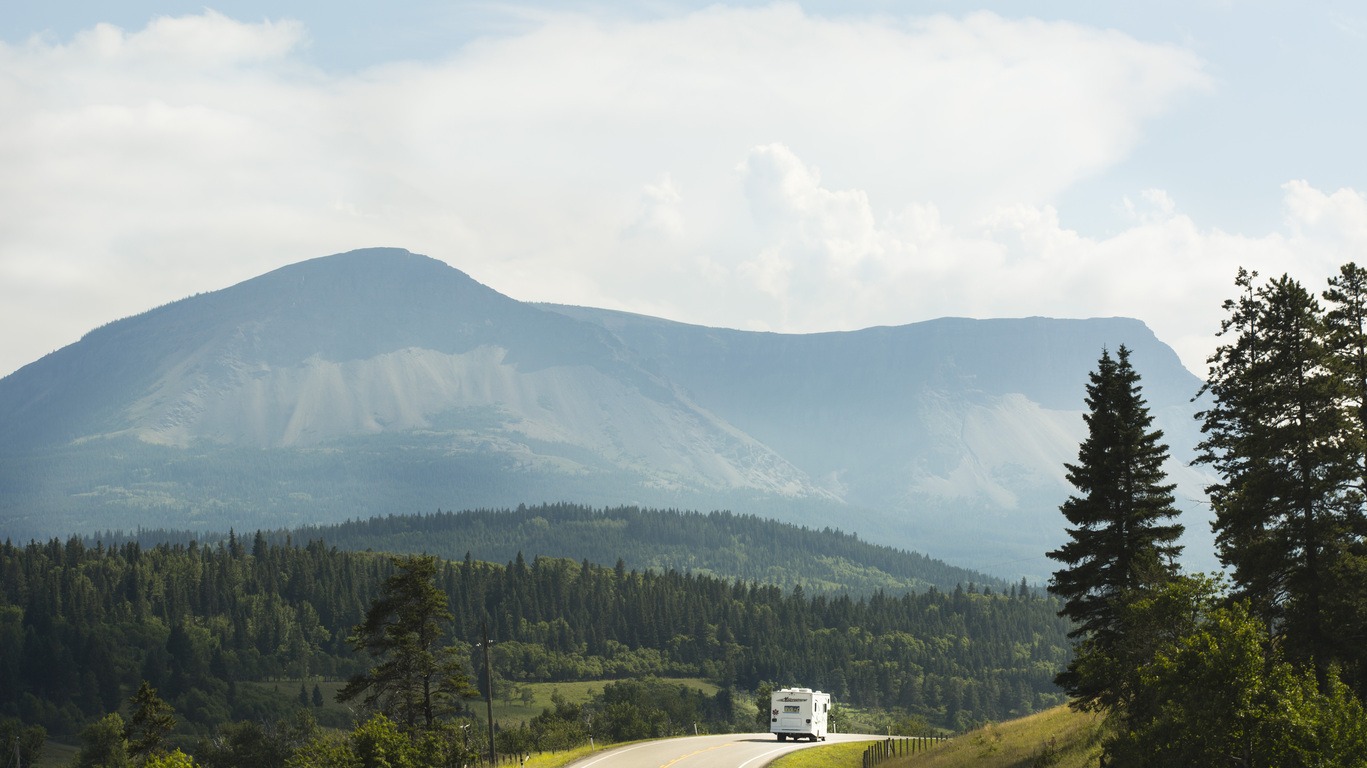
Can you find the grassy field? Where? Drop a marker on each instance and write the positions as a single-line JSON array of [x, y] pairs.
[[517, 704], [523, 702], [1055, 738], [55, 755], [528, 699]]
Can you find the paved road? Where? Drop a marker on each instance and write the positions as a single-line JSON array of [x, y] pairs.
[[732, 750]]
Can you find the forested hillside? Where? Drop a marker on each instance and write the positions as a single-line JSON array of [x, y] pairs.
[[719, 544], [81, 626]]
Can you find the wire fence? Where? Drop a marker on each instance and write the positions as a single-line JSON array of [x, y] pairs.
[[879, 751]]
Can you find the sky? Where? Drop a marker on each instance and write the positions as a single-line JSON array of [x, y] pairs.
[[792, 167]]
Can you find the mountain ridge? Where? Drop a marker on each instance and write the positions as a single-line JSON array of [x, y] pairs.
[[336, 386]]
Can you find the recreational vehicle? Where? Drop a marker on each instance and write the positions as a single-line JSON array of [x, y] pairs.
[[796, 713]]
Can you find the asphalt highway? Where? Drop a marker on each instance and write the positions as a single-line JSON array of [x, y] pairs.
[[732, 750]]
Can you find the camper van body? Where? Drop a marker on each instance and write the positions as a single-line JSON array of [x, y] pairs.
[[796, 713]]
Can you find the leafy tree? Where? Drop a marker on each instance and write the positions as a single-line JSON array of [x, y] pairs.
[[1277, 435], [378, 743], [324, 750], [1121, 538], [29, 740], [764, 695], [563, 725], [173, 759], [649, 708], [416, 678], [839, 721], [103, 744], [250, 744], [1222, 694], [906, 725]]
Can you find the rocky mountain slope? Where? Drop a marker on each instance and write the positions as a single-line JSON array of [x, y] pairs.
[[380, 381]]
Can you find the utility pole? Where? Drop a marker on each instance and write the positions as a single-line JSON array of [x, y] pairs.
[[489, 680]]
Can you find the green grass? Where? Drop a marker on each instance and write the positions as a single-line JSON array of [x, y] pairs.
[[557, 759], [55, 755], [830, 756], [513, 710], [509, 710], [1054, 738]]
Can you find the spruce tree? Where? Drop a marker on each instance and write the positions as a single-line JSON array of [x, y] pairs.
[[1346, 339], [1278, 436], [1345, 325], [1122, 539], [417, 675], [149, 724]]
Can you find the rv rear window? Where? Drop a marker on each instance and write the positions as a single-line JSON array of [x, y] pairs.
[[790, 709]]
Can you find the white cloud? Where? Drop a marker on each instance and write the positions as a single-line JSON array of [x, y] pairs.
[[828, 254], [660, 212], [667, 166], [1336, 220]]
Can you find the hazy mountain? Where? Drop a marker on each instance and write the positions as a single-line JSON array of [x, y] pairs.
[[962, 424], [380, 381]]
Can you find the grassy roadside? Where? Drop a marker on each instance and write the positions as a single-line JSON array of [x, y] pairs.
[[525, 701], [849, 753], [1054, 738]]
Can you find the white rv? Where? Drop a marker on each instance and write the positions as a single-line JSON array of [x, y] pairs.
[[799, 713]]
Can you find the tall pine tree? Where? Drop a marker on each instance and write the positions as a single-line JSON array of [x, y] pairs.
[[417, 678], [1279, 437], [1122, 539], [1346, 325]]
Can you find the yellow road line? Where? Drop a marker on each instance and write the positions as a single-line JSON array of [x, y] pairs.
[[699, 752]]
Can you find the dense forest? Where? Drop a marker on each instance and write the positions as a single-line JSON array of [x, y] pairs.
[[718, 543], [81, 626]]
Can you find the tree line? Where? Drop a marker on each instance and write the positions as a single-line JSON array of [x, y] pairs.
[[717, 543], [82, 625], [413, 697], [1268, 667]]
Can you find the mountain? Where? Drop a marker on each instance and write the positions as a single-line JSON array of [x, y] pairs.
[[962, 424], [383, 382]]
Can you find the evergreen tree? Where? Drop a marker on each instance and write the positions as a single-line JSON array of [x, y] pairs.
[[1345, 325], [1122, 540], [149, 724], [416, 676], [1346, 607], [1277, 435]]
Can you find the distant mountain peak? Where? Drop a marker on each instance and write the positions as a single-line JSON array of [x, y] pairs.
[[380, 380]]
